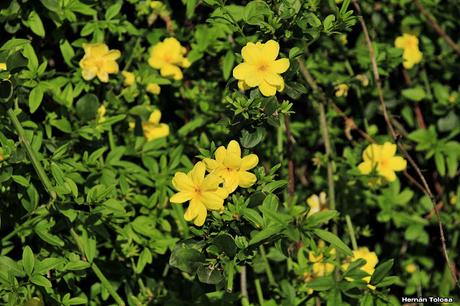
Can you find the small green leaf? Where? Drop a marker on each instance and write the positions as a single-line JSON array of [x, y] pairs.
[[186, 259], [40, 281], [35, 24], [113, 10], [28, 260], [415, 94], [35, 98], [334, 240], [229, 60], [381, 271]]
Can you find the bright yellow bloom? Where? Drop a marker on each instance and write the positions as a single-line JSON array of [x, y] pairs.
[[153, 129], [99, 61], [129, 78], [2, 66], [411, 54], [316, 203], [101, 111], [320, 267], [383, 159], [341, 90], [369, 267], [231, 167], [202, 191], [260, 68], [153, 88], [168, 56], [411, 268]]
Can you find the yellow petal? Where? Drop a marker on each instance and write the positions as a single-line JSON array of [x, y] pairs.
[[153, 88], [103, 76], [388, 150], [273, 79], [155, 117], [267, 89], [112, 55], [173, 71], [280, 66], [211, 182], [220, 154], [211, 164], [246, 179], [250, 52], [88, 73], [372, 153], [270, 50], [231, 181], [181, 197], [233, 147], [232, 161], [197, 173], [388, 174], [212, 200], [110, 67], [366, 167], [243, 86], [249, 162], [398, 163], [196, 211], [243, 71], [182, 182]]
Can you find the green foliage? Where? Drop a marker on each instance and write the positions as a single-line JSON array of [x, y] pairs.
[[86, 217]]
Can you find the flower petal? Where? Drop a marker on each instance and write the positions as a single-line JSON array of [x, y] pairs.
[[155, 117], [197, 173], [398, 163], [267, 89], [251, 52], [211, 164], [246, 179], [212, 200], [243, 71], [211, 182], [233, 147], [182, 182], [366, 167], [388, 150], [270, 50], [281, 65], [273, 79], [220, 154], [249, 162], [181, 197]]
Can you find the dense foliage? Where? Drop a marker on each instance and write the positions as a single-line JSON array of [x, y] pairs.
[[212, 152]]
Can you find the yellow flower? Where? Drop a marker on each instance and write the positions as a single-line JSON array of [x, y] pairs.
[[231, 167], [383, 159], [316, 203], [2, 66], [168, 56], [153, 88], [260, 67], [99, 61], [363, 79], [411, 54], [129, 78], [153, 129], [453, 199], [369, 267], [411, 268], [101, 111], [202, 191], [320, 267], [341, 90]]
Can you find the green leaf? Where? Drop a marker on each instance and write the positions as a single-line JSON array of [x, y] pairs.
[[35, 98], [321, 217], [47, 264], [67, 52], [334, 240], [87, 106], [415, 94], [381, 271], [209, 275], [272, 186], [186, 259], [77, 265], [28, 260], [321, 283], [40, 281], [16, 62], [250, 140], [226, 244], [440, 163], [266, 233], [6, 90], [113, 10], [35, 24], [229, 60]]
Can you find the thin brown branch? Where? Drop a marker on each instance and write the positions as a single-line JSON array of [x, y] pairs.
[[426, 188], [435, 25]]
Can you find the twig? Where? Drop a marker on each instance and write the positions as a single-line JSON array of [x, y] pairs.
[[426, 188], [244, 287], [351, 232], [435, 25]]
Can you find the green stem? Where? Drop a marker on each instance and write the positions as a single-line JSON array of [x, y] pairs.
[[32, 155], [260, 295], [111, 139], [268, 270], [230, 276], [244, 287], [105, 282], [351, 232]]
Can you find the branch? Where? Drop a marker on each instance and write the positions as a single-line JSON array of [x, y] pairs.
[[433, 23], [396, 137]]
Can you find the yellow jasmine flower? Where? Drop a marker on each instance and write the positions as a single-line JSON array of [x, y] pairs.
[[153, 129], [341, 90], [129, 78], [99, 61], [411, 268], [383, 159], [153, 88], [260, 68], [231, 167], [320, 267], [101, 111], [2, 66], [316, 203], [411, 54], [168, 56], [369, 267], [202, 191], [363, 79]]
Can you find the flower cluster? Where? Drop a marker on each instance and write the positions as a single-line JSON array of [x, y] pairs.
[[260, 68], [207, 192], [382, 159], [411, 54]]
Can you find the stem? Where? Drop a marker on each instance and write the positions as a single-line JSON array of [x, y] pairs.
[[260, 295], [426, 187], [231, 274], [268, 270], [32, 156], [244, 287], [105, 282], [351, 232]]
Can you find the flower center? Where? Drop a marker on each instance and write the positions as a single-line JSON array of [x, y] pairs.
[[197, 191], [263, 66], [384, 163]]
